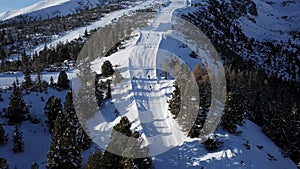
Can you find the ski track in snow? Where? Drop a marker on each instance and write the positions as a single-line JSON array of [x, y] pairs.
[[141, 104]]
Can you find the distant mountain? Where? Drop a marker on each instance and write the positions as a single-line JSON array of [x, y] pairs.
[[52, 8]]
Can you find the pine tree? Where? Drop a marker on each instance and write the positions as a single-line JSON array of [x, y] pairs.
[[174, 103], [131, 146], [51, 81], [82, 139], [63, 152], [61, 123], [111, 160], [107, 69], [18, 140], [27, 84], [51, 109], [3, 163], [95, 160], [34, 166], [17, 109], [63, 81], [39, 84], [234, 114], [108, 94], [3, 135]]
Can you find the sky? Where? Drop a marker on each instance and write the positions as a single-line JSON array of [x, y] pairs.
[[6, 5]]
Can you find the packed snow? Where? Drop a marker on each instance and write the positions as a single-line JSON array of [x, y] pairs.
[[142, 96]]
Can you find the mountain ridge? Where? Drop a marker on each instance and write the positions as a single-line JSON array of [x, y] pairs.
[[50, 9]]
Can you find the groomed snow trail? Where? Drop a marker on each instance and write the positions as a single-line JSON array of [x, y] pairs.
[[150, 89]]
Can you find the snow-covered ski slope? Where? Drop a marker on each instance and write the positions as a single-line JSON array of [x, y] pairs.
[[143, 95], [50, 8], [106, 20]]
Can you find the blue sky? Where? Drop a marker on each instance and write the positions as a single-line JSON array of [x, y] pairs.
[[6, 5]]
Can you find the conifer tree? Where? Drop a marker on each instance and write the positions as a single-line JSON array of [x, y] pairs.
[[111, 160], [63, 81], [34, 166], [63, 152], [3, 163], [17, 109], [51, 81], [82, 139], [95, 160], [174, 103], [131, 146], [3, 135], [107, 69], [60, 125], [234, 114], [51, 109], [108, 94], [18, 140], [27, 84]]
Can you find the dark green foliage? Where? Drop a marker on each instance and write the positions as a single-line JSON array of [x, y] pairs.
[[17, 109], [63, 81], [39, 85], [108, 93], [34, 166], [128, 146], [95, 160], [27, 84], [63, 152], [234, 114], [51, 81], [3, 163], [82, 139], [107, 69], [18, 140], [51, 109], [212, 144], [174, 103], [3, 136]]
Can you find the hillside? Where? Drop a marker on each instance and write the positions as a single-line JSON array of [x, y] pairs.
[[51, 9], [141, 87]]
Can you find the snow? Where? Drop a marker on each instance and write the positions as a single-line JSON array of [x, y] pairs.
[[36, 137], [270, 23], [8, 78], [47, 8], [106, 20], [146, 107], [233, 154]]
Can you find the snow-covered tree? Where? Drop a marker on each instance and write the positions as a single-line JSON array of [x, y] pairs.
[[51, 109], [64, 152]]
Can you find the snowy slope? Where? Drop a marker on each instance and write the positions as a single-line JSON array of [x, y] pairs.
[[135, 99], [275, 20], [50, 8], [107, 19]]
